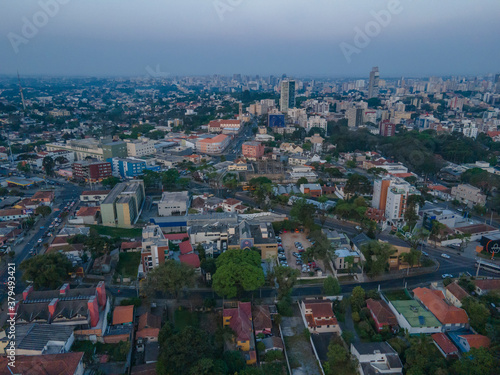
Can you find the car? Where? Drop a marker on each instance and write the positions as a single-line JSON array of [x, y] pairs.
[[446, 256], [296, 231], [281, 251], [296, 255], [312, 264], [358, 227], [39, 240], [299, 262], [447, 276], [425, 254], [278, 238], [454, 246], [301, 251]]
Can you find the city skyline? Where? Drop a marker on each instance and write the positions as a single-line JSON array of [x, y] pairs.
[[75, 39]]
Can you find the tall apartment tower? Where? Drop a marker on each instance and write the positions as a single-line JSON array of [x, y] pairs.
[[287, 99], [354, 117], [373, 85]]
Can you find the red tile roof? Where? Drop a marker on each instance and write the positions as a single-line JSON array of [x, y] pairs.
[[444, 343], [490, 284], [131, 245], [149, 369], [435, 303], [262, 318], [185, 247], [477, 341], [88, 211], [382, 312], [216, 139], [176, 236], [123, 314], [240, 320], [457, 291], [48, 364], [190, 259]]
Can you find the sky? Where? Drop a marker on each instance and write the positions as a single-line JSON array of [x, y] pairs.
[[333, 38]]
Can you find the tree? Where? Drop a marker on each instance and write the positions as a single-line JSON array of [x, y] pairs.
[[110, 182], [477, 362], [23, 167], [331, 286], [303, 212], [465, 238], [339, 361], [301, 181], [285, 278], [357, 297], [43, 210], [478, 313], [237, 271], [151, 179], [61, 160], [176, 355], [422, 357], [412, 257], [47, 271], [377, 256], [411, 215], [48, 165], [358, 184], [437, 230], [170, 277]]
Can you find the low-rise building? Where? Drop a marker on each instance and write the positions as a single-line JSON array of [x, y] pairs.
[[123, 204], [413, 317], [468, 194], [376, 358], [381, 314], [94, 196], [455, 294], [252, 150], [240, 321], [444, 345], [314, 190], [173, 203], [213, 146], [319, 316], [52, 364]]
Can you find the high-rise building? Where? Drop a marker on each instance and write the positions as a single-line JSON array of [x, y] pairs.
[[373, 85], [354, 117], [287, 99], [387, 128]]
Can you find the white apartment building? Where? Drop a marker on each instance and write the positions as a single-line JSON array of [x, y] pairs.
[[316, 122], [468, 195], [140, 148], [391, 195]]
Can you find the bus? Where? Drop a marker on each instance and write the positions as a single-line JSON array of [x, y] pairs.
[[487, 266]]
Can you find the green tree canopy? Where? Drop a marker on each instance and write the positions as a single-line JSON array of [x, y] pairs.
[[303, 212], [47, 271], [331, 286], [43, 210], [237, 271], [285, 278], [377, 257], [170, 277]]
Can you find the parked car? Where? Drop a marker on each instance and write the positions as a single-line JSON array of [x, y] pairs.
[[446, 256], [296, 255], [446, 275], [425, 254], [299, 262]]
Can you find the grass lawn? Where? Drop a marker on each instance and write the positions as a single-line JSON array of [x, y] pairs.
[[396, 295], [118, 232], [128, 264], [184, 318]]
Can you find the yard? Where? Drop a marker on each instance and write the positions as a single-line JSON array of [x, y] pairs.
[[128, 264], [397, 295], [117, 232], [184, 318]]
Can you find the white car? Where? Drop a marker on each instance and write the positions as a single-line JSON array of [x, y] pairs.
[[446, 256], [447, 275]]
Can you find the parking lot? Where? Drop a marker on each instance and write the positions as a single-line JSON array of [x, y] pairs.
[[289, 241]]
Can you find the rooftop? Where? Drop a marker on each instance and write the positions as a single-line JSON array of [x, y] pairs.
[[123, 314], [50, 364], [434, 301], [416, 314], [444, 343]]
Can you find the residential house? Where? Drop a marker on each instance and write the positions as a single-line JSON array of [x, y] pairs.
[[467, 342], [49, 364], [132, 246], [262, 322], [122, 327], [455, 294], [94, 197], [487, 285], [44, 197], [341, 255], [240, 321], [272, 343], [381, 314], [451, 317], [319, 316], [413, 317], [444, 345], [314, 190], [149, 327], [88, 215], [12, 214], [376, 358]]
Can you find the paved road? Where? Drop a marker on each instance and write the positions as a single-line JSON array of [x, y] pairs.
[[64, 193]]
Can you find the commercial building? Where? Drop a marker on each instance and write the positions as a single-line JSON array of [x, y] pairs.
[[387, 128], [247, 235], [90, 147], [413, 317], [132, 167], [91, 171], [214, 145], [276, 120], [390, 194], [252, 150], [140, 148], [114, 149], [381, 314], [123, 204], [287, 98], [468, 195], [94, 196], [173, 203], [224, 126]]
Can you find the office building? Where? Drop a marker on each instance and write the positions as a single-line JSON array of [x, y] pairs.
[[287, 98], [252, 150], [90, 147], [173, 203], [132, 167], [123, 204], [374, 82], [276, 120], [114, 149], [214, 145], [140, 148], [91, 171]]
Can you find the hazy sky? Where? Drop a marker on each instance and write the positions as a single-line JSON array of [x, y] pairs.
[[296, 37]]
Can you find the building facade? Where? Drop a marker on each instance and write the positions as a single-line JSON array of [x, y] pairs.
[[123, 204]]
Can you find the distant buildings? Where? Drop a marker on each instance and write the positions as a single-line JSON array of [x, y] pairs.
[[91, 171], [354, 117], [90, 147], [316, 122], [214, 145], [140, 148], [373, 86], [173, 203], [287, 98], [252, 150], [276, 120], [123, 204], [224, 126], [387, 128]]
